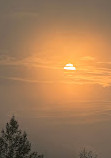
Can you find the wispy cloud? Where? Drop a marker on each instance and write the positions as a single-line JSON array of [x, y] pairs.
[[89, 58], [25, 80], [96, 73], [31, 61]]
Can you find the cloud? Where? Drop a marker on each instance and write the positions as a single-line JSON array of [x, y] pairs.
[[99, 73], [88, 58], [30, 61], [25, 80], [92, 75]]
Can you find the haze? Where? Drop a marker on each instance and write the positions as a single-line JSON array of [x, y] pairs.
[[62, 112]]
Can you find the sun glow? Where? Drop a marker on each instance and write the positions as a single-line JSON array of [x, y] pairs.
[[69, 67]]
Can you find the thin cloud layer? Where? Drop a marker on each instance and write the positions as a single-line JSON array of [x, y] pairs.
[[89, 58], [31, 61], [97, 73]]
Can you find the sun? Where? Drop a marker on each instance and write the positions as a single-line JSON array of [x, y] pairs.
[[69, 67]]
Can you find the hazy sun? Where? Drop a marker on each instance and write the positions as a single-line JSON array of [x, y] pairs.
[[69, 67]]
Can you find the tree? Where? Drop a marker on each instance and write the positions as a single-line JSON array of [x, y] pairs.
[[14, 142], [87, 154]]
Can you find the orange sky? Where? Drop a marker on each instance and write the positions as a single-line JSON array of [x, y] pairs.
[[37, 39]]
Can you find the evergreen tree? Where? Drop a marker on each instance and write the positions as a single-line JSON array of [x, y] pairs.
[[14, 143], [87, 154]]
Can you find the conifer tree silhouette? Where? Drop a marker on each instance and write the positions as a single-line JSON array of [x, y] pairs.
[[14, 143], [87, 154]]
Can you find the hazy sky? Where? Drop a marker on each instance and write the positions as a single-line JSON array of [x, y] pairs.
[[62, 112]]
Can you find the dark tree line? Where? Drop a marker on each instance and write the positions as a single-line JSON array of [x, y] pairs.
[[15, 144]]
